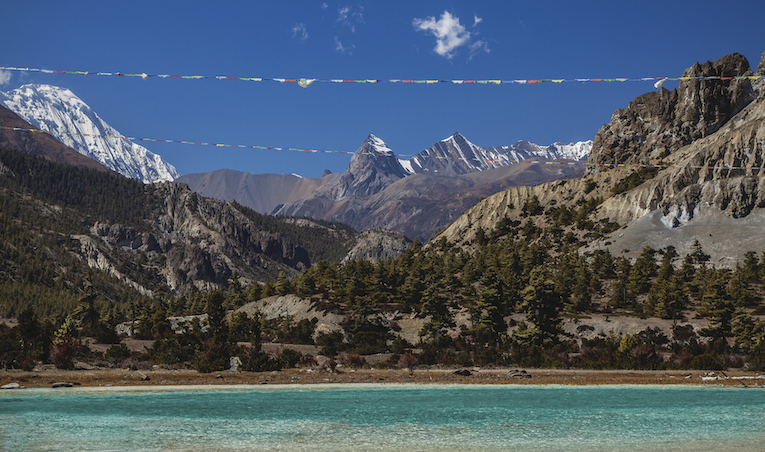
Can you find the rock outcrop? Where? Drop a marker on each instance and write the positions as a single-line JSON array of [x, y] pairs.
[[375, 244], [657, 124]]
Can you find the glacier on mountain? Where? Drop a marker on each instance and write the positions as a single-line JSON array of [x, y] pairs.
[[75, 124]]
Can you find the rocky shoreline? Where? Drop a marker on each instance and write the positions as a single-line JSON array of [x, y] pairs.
[[160, 377]]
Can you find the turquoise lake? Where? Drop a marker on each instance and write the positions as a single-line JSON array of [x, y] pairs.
[[384, 417]]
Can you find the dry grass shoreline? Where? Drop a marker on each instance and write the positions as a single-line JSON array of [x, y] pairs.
[[127, 377]]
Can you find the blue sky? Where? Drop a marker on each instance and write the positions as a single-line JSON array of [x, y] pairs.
[[327, 39]]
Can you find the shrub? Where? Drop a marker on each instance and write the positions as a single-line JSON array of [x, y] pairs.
[[705, 361], [290, 357], [104, 334], [257, 361], [213, 357], [354, 360], [330, 343], [28, 364], [117, 352]]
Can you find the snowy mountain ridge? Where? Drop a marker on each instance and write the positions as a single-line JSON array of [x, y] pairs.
[[456, 155], [75, 124]]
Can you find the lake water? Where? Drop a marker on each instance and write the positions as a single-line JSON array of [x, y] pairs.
[[384, 417]]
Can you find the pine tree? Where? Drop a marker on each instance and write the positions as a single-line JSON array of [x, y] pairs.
[[641, 272], [717, 306], [543, 304], [489, 313], [434, 305]]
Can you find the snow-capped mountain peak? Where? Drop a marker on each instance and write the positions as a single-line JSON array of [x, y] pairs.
[[75, 124], [378, 146]]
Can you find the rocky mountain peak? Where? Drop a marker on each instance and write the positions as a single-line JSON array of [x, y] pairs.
[[458, 138], [373, 167], [730, 65], [453, 156], [656, 124]]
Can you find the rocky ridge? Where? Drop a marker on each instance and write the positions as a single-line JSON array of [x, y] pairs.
[[700, 128], [375, 244], [198, 244], [260, 192], [656, 124], [203, 242], [39, 144]]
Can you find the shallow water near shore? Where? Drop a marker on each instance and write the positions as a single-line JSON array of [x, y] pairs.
[[384, 417]]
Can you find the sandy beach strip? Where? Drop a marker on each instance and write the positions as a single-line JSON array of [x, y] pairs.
[[126, 377]]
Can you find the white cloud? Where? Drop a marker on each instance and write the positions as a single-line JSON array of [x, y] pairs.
[[448, 31], [450, 35], [5, 77], [342, 14], [324, 5], [350, 16], [339, 47], [478, 47], [299, 31]]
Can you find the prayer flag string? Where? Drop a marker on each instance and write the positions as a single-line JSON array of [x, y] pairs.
[[315, 151], [305, 82]]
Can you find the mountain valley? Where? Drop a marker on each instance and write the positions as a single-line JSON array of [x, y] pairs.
[[647, 256]]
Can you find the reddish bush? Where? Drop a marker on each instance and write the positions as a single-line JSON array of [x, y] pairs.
[[307, 361], [408, 361], [28, 364], [354, 360], [62, 353]]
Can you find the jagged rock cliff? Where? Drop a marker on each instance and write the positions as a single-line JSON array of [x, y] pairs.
[[726, 129], [696, 132], [196, 243], [656, 124]]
